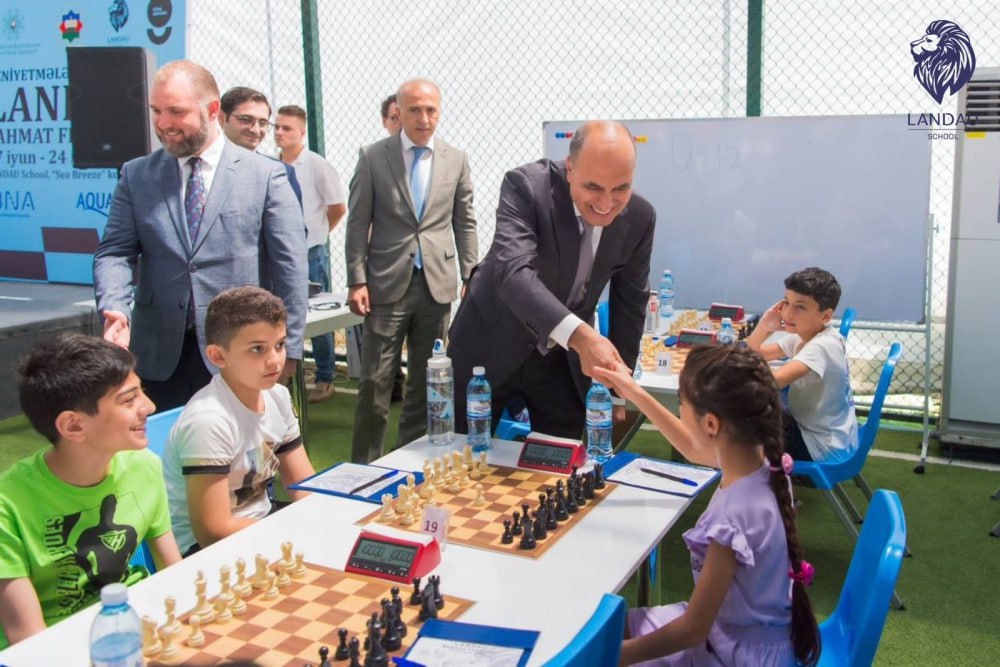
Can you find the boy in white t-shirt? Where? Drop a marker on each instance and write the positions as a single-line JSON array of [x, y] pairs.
[[237, 432], [820, 424]]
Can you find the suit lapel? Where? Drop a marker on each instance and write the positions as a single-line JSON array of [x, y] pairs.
[[438, 159], [171, 185], [566, 230], [221, 185], [394, 155]]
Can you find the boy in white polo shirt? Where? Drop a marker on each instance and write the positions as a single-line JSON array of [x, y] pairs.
[[820, 424], [235, 434]]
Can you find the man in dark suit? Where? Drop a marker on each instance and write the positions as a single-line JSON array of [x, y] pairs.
[[197, 212], [409, 217], [564, 230]]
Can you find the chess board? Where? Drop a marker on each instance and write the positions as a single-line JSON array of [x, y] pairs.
[[687, 319], [506, 489], [291, 628]]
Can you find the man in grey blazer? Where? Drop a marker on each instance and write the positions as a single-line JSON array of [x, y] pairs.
[[187, 222], [564, 231], [409, 214]]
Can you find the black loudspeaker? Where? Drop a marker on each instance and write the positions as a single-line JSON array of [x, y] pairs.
[[109, 104]]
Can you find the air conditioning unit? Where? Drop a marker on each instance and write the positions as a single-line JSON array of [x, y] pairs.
[[970, 408]]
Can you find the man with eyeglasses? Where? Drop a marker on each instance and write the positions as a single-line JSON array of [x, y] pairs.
[[323, 206], [244, 121]]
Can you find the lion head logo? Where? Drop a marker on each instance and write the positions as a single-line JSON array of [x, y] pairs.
[[118, 14], [945, 59]]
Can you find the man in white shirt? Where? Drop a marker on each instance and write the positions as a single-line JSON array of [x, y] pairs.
[[323, 207]]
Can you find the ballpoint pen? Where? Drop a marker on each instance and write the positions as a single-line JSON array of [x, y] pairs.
[[372, 482], [672, 478]]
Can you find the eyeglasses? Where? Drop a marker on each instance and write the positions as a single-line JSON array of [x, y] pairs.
[[247, 121]]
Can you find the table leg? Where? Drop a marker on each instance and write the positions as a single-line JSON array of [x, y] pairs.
[[299, 402]]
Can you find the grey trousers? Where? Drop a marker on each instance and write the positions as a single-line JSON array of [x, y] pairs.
[[418, 319]]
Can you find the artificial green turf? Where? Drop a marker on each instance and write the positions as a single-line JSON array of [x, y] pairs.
[[951, 585]]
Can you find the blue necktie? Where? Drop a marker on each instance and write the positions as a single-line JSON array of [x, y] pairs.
[[418, 190], [194, 198]]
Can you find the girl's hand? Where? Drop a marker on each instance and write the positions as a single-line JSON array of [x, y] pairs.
[[618, 378]]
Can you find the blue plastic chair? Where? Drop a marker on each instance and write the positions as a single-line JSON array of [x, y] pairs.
[[599, 641], [157, 429], [846, 322], [828, 475], [852, 632]]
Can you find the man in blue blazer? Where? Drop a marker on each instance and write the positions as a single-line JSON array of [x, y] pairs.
[[186, 223]]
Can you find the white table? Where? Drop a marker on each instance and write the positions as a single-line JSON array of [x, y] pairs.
[[554, 594]]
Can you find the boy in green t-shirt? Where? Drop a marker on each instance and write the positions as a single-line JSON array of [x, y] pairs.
[[72, 515]]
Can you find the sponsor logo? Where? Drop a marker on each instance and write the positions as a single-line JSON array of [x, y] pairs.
[[118, 14], [945, 59], [71, 26]]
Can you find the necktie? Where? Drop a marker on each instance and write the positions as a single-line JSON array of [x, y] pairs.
[[583, 267], [418, 190], [194, 198]]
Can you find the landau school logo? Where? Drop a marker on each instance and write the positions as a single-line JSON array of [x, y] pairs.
[[118, 14], [71, 26], [945, 59]]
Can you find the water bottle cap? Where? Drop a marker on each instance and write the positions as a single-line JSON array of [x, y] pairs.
[[479, 370], [114, 594], [438, 349], [727, 321]]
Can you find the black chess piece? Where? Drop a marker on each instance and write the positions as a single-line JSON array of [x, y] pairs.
[[376, 655], [342, 652], [524, 510], [515, 529], [528, 536], [427, 607], [391, 639], [550, 514], [436, 586], [588, 486], [578, 496], [507, 536], [324, 656], [355, 649], [397, 606], [599, 476], [415, 595], [539, 523], [561, 513], [571, 505]]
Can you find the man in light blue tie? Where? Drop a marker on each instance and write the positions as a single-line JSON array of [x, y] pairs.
[[409, 214]]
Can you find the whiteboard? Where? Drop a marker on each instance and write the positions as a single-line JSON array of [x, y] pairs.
[[743, 202]]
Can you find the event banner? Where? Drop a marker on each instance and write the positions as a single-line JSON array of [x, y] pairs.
[[52, 215]]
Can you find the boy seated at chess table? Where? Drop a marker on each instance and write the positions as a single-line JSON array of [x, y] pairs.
[[72, 515], [819, 423], [239, 431]]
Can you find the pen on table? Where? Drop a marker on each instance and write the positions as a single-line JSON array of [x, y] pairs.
[[672, 478], [374, 481]]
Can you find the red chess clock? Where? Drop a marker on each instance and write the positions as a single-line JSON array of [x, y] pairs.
[[552, 454], [394, 558], [694, 337], [721, 310]]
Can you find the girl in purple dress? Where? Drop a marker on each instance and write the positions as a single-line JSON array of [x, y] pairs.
[[749, 605]]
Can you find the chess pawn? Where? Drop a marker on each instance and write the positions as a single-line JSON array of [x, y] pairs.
[[480, 500], [222, 611], [242, 585], [170, 605], [467, 454], [169, 651], [411, 481], [409, 518], [438, 467], [456, 461], [272, 589], [482, 463], [403, 502], [239, 606], [283, 578], [197, 637], [260, 574], [474, 473], [388, 513], [151, 644], [425, 489], [299, 570]]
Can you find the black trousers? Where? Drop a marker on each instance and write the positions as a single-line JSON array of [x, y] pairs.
[[189, 376]]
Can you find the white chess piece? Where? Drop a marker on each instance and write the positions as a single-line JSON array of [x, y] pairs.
[[239, 606], [169, 651], [299, 570], [409, 518], [480, 500], [388, 513], [283, 578], [197, 637], [151, 644], [242, 585], [467, 454], [272, 589], [170, 605], [286, 552], [260, 574], [202, 609]]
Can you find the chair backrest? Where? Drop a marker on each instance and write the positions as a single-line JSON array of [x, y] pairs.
[[846, 322], [868, 430], [602, 318], [158, 428], [852, 632], [599, 641]]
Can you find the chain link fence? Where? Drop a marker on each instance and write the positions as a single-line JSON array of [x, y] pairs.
[[506, 67]]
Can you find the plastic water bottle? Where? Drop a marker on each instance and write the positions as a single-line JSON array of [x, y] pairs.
[[116, 635], [440, 397], [478, 409], [726, 335], [598, 423], [667, 294]]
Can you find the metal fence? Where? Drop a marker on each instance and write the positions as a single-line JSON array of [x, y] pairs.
[[505, 67]]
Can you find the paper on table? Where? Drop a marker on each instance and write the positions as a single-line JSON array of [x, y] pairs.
[[451, 653], [632, 474], [346, 477]]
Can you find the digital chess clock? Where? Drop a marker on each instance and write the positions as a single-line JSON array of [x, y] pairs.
[[694, 337], [720, 310], [552, 454], [395, 558]]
